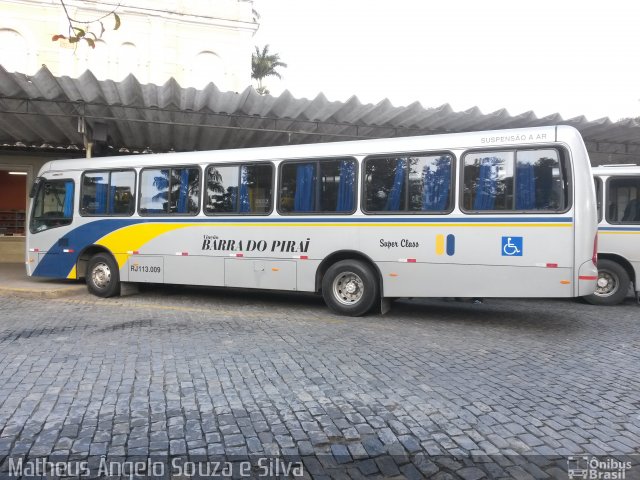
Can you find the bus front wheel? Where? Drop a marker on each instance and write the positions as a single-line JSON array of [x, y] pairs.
[[350, 287], [103, 276], [612, 285]]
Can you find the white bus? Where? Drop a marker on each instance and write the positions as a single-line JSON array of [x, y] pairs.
[[618, 196], [486, 214]]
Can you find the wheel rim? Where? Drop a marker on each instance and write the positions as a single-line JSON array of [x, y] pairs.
[[348, 288], [607, 284], [101, 275]]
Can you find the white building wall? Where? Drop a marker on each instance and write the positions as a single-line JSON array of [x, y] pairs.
[[194, 41]]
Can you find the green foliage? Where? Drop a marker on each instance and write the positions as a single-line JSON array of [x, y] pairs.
[[264, 64], [77, 34]]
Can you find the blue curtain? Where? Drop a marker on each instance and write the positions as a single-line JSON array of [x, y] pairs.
[[631, 211], [183, 197], [112, 199], [67, 206], [544, 188], [346, 186], [303, 198], [436, 184], [525, 187], [101, 198], [487, 188], [395, 195], [245, 205]]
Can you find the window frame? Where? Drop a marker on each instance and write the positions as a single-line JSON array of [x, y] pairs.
[[607, 195], [318, 160], [169, 214], [32, 212], [118, 170], [599, 197], [564, 160], [241, 164], [452, 184]]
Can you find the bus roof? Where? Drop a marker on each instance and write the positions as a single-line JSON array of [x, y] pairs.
[[620, 169], [485, 139]]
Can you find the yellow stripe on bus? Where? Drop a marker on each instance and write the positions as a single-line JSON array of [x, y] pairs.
[[133, 237], [440, 244], [378, 225]]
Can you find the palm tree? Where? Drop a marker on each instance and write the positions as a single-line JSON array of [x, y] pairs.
[[264, 64]]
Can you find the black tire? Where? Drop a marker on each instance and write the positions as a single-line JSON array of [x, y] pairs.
[[350, 287], [103, 276], [615, 284]]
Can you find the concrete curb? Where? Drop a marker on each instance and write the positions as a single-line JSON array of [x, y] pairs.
[[57, 292]]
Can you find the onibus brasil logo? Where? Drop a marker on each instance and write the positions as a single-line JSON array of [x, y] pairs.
[[594, 468]]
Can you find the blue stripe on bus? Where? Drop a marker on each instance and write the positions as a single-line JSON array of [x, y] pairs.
[[58, 264], [619, 229]]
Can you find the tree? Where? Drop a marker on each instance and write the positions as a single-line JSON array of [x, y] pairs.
[[264, 64], [77, 34]]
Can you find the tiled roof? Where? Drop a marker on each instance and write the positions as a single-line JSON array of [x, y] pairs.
[[44, 109]]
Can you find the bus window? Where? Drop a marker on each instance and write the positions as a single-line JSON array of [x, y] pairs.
[[122, 193], [539, 181], [326, 186], [53, 205], [514, 181], [108, 193], [598, 184], [412, 183], [170, 191], [488, 181], [624, 200], [238, 189]]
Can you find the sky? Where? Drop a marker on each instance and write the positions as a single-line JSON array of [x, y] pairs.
[[566, 56]]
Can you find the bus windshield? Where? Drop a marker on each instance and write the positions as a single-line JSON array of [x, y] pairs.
[[52, 205]]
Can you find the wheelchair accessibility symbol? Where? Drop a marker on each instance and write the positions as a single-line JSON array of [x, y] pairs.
[[511, 246]]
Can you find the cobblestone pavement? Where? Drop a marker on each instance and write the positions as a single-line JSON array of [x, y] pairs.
[[438, 389]]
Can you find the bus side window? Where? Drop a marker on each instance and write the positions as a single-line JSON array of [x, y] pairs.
[[522, 180], [415, 183], [488, 181], [324, 186], [624, 193], [244, 189], [184, 193], [539, 182], [122, 193], [94, 193], [107, 193], [170, 191]]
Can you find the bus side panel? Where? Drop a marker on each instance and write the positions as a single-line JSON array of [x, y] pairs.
[[624, 243], [194, 270], [481, 258], [451, 280], [259, 273]]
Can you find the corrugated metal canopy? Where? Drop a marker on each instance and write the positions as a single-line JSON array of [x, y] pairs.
[[44, 109]]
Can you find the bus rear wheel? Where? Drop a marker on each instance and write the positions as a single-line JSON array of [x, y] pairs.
[[103, 276], [350, 287], [612, 285]]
